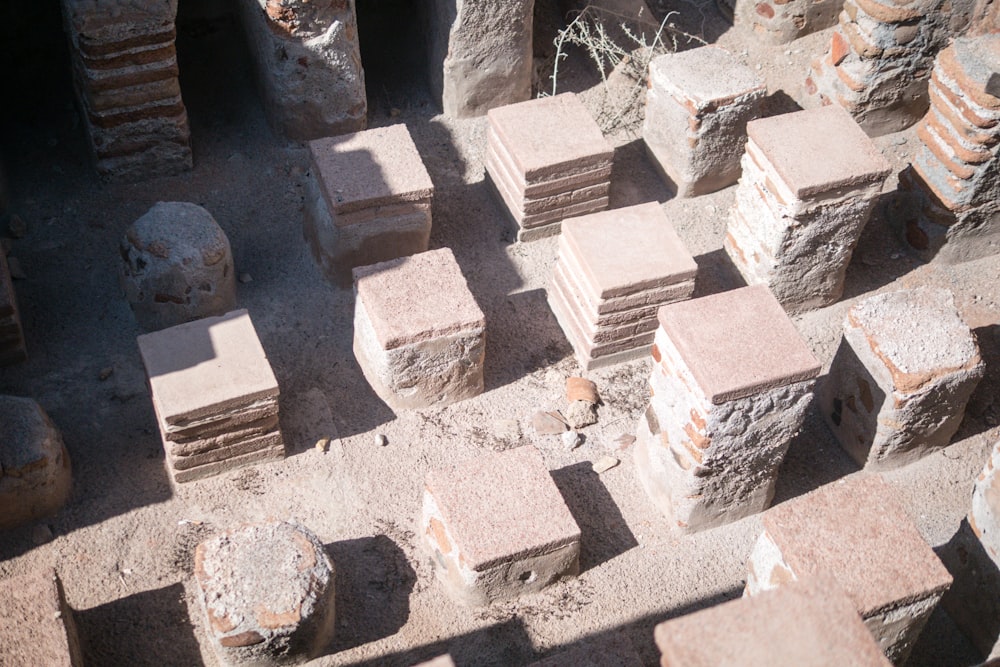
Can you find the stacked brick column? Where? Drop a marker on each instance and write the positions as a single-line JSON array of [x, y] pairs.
[[810, 180], [880, 58], [730, 385], [956, 171], [125, 70], [697, 108]]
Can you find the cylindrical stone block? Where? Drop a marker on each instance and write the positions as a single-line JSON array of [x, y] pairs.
[[177, 266], [267, 591]]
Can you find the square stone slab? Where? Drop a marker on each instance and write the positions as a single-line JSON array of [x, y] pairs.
[[548, 135], [855, 531], [628, 250], [417, 298], [206, 367], [704, 78], [806, 624], [370, 168], [818, 150], [502, 506], [738, 343]]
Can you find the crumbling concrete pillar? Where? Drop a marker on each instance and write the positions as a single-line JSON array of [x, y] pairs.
[[308, 65], [125, 71], [898, 385], [810, 180], [781, 21], [12, 348], [480, 54], [730, 385], [37, 624]]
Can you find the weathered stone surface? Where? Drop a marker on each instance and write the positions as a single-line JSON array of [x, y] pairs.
[[267, 591], [177, 266], [497, 527], [480, 54], [308, 65], [35, 475], [730, 385], [984, 518], [419, 335], [12, 348], [855, 532], [810, 180], [898, 385], [615, 269], [778, 21], [808, 623], [125, 72], [36, 623], [697, 107], [368, 200]]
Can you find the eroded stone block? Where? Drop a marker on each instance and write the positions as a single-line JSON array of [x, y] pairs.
[[36, 623], [698, 103], [419, 335], [497, 527], [855, 532], [368, 200], [898, 385], [267, 591], [731, 382]]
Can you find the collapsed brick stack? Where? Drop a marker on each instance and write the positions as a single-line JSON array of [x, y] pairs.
[[730, 386], [215, 396], [810, 180], [956, 167], [368, 200], [855, 532], [12, 348], [697, 106], [125, 71], [615, 269], [880, 57], [37, 624], [547, 160], [899, 383]]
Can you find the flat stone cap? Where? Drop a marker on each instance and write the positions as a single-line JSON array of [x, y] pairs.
[[704, 78], [806, 624], [855, 531], [370, 168], [738, 343], [549, 132], [502, 506], [628, 250], [917, 333], [206, 367], [32, 624], [417, 298], [818, 150]]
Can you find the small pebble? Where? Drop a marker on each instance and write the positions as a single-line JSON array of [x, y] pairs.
[[381, 440], [581, 413], [605, 463], [572, 440], [18, 228], [41, 534], [105, 373], [246, 278], [16, 272], [323, 444]]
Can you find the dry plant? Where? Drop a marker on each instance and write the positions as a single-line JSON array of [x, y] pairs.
[[622, 54]]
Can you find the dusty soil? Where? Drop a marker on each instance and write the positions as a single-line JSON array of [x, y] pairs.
[[123, 544]]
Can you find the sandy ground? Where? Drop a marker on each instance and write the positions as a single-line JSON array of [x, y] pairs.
[[123, 544]]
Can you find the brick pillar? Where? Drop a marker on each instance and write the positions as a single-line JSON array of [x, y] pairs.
[[125, 71]]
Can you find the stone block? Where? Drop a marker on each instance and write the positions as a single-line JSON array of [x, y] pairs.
[[36, 623], [12, 348], [126, 78], [368, 200], [803, 623], [855, 532], [731, 382], [267, 592], [898, 385], [809, 182], [35, 474], [547, 160], [308, 65], [214, 394], [419, 335], [177, 266], [480, 54], [615, 269], [698, 103], [497, 527]]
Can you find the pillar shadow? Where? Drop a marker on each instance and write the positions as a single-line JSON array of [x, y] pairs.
[[634, 179], [716, 274]]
